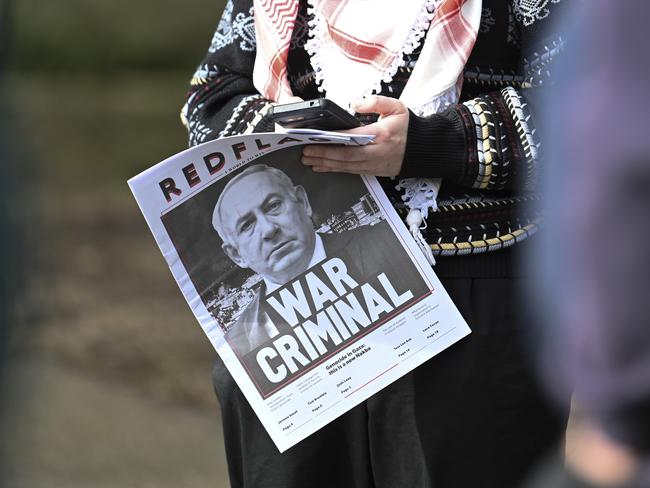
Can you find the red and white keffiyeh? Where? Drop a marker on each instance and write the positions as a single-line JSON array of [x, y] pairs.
[[274, 21], [356, 44]]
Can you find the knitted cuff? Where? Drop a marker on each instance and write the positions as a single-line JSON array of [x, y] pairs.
[[436, 147], [246, 116], [265, 124]]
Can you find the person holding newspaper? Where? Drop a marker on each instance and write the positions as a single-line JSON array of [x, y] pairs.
[[455, 105]]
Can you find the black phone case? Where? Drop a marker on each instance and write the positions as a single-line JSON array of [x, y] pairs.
[[322, 114]]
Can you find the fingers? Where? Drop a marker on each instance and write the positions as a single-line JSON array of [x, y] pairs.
[[379, 104], [366, 130], [328, 165], [320, 165], [336, 153]]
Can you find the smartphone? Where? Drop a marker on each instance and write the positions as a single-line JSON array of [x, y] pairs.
[[322, 114]]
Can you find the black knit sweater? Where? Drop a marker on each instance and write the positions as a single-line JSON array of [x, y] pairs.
[[485, 148]]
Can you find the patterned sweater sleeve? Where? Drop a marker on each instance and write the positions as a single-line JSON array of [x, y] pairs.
[[487, 143], [490, 142], [222, 99]]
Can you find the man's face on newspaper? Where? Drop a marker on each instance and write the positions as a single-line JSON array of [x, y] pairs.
[[269, 226]]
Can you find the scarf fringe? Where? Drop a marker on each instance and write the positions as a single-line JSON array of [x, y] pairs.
[[317, 29]]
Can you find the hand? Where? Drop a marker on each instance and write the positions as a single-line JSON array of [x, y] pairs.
[[382, 157]]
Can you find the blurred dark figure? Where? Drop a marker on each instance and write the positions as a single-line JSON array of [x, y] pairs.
[[596, 266], [5, 233]]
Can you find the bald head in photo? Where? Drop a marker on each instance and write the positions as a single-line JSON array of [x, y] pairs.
[[265, 223]]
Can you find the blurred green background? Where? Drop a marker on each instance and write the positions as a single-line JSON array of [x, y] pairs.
[[108, 371]]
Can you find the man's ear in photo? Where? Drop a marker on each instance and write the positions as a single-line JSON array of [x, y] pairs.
[[232, 252], [301, 196]]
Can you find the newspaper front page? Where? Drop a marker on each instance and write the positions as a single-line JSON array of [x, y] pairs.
[[307, 284]]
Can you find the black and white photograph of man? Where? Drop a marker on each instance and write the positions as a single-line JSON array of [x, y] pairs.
[[267, 228], [245, 238]]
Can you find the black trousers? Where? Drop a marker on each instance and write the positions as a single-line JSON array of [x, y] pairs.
[[472, 417]]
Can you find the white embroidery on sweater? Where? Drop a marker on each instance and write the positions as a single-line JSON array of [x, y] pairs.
[[197, 131], [230, 30], [513, 37], [223, 35], [530, 11], [487, 20], [244, 27]]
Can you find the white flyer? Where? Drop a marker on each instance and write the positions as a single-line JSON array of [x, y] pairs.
[[308, 285]]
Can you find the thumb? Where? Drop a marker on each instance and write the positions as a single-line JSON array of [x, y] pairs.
[[378, 104]]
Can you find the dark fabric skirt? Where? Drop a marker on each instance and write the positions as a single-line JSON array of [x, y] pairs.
[[474, 416]]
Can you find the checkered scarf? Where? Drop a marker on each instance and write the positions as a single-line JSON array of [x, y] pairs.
[[355, 45]]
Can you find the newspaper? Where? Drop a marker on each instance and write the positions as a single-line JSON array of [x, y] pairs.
[[308, 285]]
